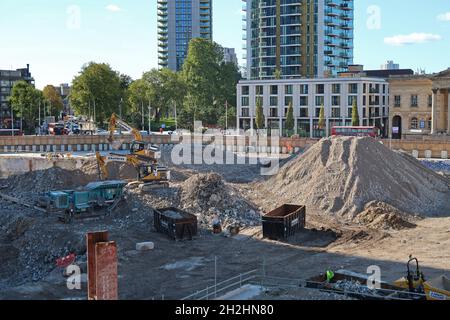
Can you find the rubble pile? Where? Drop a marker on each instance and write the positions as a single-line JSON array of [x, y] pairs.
[[46, 180], [207, 196], [380, 215], [353, 287], [338, 176]]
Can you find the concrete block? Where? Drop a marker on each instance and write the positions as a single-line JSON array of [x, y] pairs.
[[428, 154], [145, 246], [86, 147], [5, 148], [55, 148], [19, 149], [78, 147], [93, 147], [100, 147], [444, 154], [33, 148], [49, 148], [69, 147], [63, 148], [415, 153], [27, 148]]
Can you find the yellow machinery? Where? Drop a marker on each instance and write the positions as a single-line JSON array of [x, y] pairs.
[[435, 289], [414, 280], [148, 173], [139, 148]]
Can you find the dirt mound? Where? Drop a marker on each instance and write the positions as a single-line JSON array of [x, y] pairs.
[[46, 180], [206, 195], [340, 175], [380, 215]]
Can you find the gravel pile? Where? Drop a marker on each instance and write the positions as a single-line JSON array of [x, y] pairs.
[[380, 215], [340, 175], [207, 196]]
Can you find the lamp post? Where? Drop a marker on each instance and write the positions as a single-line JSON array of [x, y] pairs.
[[149, 117], [120, 112]]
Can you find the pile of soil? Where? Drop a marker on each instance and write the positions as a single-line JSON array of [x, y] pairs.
[[340, 175], [380, 215], [207, 196]]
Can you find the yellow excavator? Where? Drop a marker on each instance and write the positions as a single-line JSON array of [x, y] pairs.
[[149, 174], [139, 148]]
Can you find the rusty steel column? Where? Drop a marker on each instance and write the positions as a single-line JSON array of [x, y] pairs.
[[101, 267]]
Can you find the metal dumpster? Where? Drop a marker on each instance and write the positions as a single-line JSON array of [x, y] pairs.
[[175, 223], [284, 222]]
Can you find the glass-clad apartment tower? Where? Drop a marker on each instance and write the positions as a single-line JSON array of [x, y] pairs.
[[178, 22], [297, 38]]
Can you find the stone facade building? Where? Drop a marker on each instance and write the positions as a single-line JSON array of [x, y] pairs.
[[419, 105]]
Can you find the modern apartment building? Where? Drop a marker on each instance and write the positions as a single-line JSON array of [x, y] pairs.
[[289, 39], [7, 80], [179, 21], [229, 55], [307, 97]]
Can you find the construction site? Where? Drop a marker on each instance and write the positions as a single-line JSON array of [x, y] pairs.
[[311, 231]]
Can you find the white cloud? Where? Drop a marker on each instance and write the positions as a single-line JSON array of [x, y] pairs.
[[444, 16], [113, 8], [413, 38]]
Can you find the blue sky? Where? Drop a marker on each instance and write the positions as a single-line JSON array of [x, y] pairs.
[[58, 36]]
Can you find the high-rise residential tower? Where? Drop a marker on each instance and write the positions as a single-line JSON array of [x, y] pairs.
[[178, 22], [298, 38]]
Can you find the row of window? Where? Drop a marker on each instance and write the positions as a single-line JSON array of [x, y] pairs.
[[336, 88], [335, 112], [414, 100], [319, 100]]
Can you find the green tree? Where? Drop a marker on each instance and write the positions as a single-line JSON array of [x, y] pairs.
[[277, 74], [53, 100], [203, 73], [138, 99], [260, 120], [322, 121], [164, 89], [98, 85], [25, 100], [231, 118], [290, 122], [355, 114]]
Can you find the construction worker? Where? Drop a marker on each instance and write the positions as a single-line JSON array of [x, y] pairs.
[[330, 275]]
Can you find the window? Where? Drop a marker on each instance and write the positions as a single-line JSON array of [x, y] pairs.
[[336, 88], [319, 100], [288, 89], [397, 101], [245, 90], [273, 90], [287, 100], [245, 101], [273, 112], [414, 123], [414, 100], [259, 90], [304, 113], [274, 101], [430, 101], [335, 100], [303, 101], [318, 112], [349, 112], [351, 99], [353, 88], [364, 100], [303, 89], [335, 112], [245, 112], [320, 89]]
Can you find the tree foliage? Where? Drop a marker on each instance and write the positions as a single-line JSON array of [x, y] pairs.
[[210, 82], [322, 121], [53, 100], [290, 122], [355, 114], [25, 100], [98, 84], [260, 120]]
